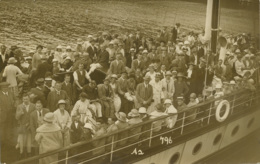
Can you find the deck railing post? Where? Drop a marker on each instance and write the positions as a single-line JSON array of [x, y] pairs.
[[251, 98], [151, 134], [233, 103], [210, 108], [67, 154], [183, 122], [112, 148]]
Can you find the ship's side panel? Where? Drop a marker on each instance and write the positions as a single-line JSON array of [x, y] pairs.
[[165, 156], [239, 129], [195, 149], [214, 140]]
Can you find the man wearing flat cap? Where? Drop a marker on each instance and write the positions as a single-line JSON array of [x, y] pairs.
[[144, 93]]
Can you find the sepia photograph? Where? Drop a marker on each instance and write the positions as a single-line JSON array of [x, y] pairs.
[[129, 81]]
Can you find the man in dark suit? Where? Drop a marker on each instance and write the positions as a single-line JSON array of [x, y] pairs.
[[105, 94], [36, 120], [175, 32], [92, 50], [200, 52], [138, 39], [38, 92], [56, 95], [102, 60], [3, 58], [144, 93], [22, 115], [138, 63], [117, 66], [6, 113], [76, 129], [130, 57], [43, 67]]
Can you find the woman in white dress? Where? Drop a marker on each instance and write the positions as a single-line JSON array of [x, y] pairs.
[[84, 108], [63, 120], [151, 72], [114, 86]]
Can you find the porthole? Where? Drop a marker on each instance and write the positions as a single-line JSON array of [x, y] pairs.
[[175, 157], [197, 148], [217, 139], [250, 123], [235, 130]]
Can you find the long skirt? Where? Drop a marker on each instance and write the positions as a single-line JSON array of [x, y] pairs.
[[117, 103]]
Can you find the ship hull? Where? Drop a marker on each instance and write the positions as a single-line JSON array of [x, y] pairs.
[[208, 143]]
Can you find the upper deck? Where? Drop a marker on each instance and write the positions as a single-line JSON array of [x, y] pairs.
[[130, 144]]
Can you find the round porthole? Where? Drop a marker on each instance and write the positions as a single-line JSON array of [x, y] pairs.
[[197, 148], [217, 139], [235, 130], [250, 123], [175, 157]]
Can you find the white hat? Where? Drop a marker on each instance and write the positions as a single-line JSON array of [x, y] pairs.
[[54, 60], [111, 42], [59, 47], [186, 42], [167, 101], [68, 48], [132, 49], [90, 36], [145, 51], [218, 86], [48, 79], [142, 110], [88, 126], [141, 47], [232, 82], [180, 43], [61, 102], [235, 44], [237, 51], [67, 58]]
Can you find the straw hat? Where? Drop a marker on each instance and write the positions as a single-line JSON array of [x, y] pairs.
[[168, 73], [61, 102], [134, 113], [49, 117], [142, 110], [167, 101], [121, 116], [11, 60]]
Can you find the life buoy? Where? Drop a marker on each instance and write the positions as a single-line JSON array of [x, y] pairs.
[[220, 105]]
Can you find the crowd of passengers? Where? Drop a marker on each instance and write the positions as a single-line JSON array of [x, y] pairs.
[[146, 78]]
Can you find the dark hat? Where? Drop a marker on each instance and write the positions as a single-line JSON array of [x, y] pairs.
[[40, 81], [121, 116], [83, 95], [4, 85], [159, 107], [39, 46]]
